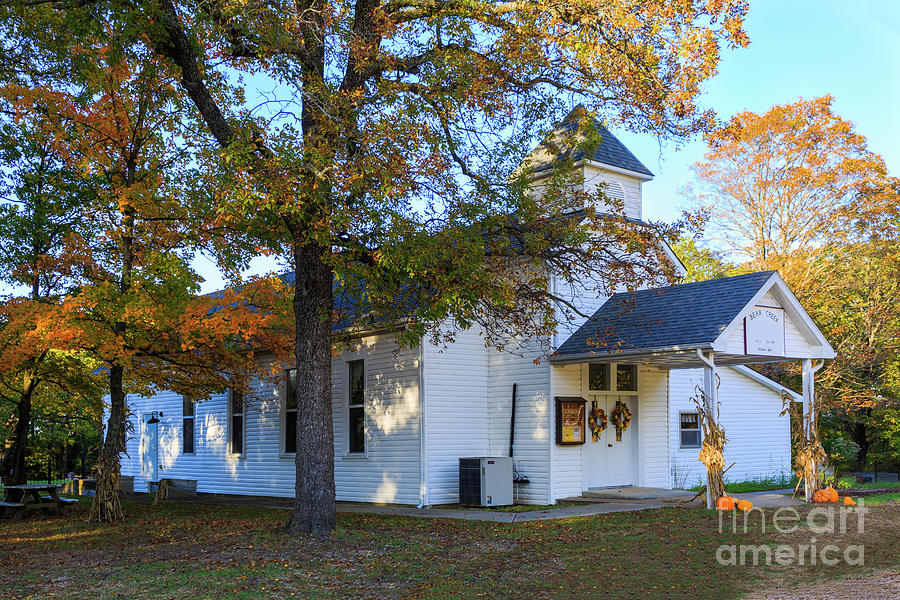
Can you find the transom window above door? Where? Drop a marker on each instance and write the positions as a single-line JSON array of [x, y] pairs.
[[626, 378], [600, 377]]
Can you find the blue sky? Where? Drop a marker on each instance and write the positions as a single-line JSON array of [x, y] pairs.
[[798, 48]]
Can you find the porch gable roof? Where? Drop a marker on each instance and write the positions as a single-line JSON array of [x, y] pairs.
[[667, 325]]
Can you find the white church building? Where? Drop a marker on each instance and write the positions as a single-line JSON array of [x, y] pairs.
[[402, 419]]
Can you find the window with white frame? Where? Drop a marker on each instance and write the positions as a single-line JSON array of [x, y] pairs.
[[290, 412], [626, 378], [598, 377], [187, 426], [356, 407], [690, 430], [236, 422]]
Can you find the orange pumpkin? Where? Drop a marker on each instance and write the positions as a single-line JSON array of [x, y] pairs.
[[745, 505], [848, 501], [832, 494], [821, 496], [725, 503]]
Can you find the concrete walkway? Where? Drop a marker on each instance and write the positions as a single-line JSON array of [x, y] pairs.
[[587, 509], [767, 499], [771, 498], [639, 493]]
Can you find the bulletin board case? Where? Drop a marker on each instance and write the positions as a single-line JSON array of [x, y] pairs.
[[570, 420]]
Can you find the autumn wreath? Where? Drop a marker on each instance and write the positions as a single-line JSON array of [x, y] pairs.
[[621, 418], [596, 421]]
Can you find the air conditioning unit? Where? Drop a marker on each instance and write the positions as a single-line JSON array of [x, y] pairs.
[[486, 481]]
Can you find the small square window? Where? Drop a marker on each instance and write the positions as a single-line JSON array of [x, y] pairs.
[[626, 378], [598, 377], [690, 430]]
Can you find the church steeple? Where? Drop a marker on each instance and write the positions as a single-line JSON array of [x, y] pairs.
[[561, 144], [608, 164]]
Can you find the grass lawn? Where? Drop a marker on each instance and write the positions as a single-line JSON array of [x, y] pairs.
[[779, 482], [879, 499], [872, 485], [180, 550], [763, 484]]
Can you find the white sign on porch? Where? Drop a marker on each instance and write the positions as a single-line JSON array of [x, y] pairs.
[[764, 331]]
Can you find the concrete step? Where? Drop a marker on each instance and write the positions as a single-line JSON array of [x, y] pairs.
[[638, 493]]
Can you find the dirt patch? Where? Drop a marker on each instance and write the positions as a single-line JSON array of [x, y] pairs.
[[878, 536], [880, 585]]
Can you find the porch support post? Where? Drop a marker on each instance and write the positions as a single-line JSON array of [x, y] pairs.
[[810, 415], [710, 398], [710, 389]]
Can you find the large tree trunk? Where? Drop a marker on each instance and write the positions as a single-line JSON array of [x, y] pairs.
[[106, 507], [313, 296], [23, 420], [313, 302]]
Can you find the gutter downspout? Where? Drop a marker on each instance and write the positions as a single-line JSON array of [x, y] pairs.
[[512, 422], [423, 447]]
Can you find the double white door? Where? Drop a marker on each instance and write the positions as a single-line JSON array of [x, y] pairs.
[[609, 462]]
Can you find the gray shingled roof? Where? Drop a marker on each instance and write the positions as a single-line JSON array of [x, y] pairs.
[[610, 151], [348, 314], [686, 315]]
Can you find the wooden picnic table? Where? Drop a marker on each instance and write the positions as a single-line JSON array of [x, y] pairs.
[[16, 497]]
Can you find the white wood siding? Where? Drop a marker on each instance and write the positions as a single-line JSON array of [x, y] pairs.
[[258, 472], [759, 441], [567, 460], [388, 473], [653, 427], [457, 420], [533, 444]]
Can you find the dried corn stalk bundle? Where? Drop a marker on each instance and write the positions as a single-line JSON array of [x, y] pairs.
[[711, 452], [810, 455], [106, 507], [162, 491]]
